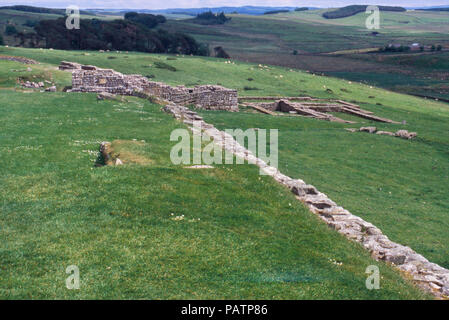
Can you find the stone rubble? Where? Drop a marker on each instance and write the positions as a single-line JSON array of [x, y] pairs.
[[108, 158], [51, 89], [37, 85], [18, 59], [106, 96], [404, 134], [32, 85]]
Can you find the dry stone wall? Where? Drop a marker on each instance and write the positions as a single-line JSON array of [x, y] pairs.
[[92, 79], [18, 59]]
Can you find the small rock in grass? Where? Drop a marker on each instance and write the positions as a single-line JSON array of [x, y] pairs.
[[404, 134], [200, 167], [106, 96], [368, 129], [387, 133], [51, 89]]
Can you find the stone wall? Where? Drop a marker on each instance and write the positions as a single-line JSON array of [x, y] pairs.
[[18, 59], [93, 79]]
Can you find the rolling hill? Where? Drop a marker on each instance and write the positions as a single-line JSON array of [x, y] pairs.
[[337, 47]]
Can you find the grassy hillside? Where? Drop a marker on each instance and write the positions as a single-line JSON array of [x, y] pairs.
[[242, 235], [416, 20], [272, 39]]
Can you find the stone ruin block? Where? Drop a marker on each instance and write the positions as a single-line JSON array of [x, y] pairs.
[[87, 78], [65, 65], [215, 98]]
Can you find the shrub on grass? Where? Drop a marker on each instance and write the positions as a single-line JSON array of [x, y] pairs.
[[221, 53], [30, 23], [276, 11], [246, 88], [163, 65]]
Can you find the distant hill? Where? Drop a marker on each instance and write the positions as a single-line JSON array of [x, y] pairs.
[[40, 10], [354, 9], [444, 7], [249, 10], [435, 9]]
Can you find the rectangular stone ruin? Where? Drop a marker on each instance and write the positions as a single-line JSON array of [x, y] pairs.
[[316, 109], [65, 65], [93, 79]]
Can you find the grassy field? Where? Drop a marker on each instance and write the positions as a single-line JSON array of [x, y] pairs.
[[242, 236], [418, 170]]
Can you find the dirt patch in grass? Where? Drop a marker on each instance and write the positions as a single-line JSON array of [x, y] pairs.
[[131, 151]]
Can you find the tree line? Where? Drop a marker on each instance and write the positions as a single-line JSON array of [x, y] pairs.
[[354, 9], [210, 18], [134, 33]]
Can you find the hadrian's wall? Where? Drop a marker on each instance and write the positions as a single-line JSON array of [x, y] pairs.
[[93, 79]]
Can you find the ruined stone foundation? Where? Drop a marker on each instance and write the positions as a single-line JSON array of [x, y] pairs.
[[92, 79]]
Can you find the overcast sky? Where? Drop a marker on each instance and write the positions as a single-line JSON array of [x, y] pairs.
[[162, 4]]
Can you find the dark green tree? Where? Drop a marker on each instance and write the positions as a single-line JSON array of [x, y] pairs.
[[10, 30], [124, 35]]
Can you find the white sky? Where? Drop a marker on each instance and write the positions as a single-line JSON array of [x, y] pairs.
[[160, 4]]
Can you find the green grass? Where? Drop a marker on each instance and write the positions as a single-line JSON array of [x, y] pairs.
[[243, 236]]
